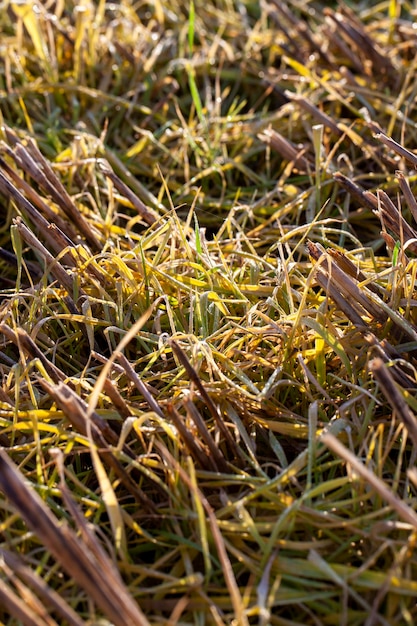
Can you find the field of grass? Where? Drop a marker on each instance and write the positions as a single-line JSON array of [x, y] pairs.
[[208, 315]]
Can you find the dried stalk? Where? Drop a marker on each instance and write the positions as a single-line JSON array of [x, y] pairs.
[[390, 390], [98, 577], [286, 149], [149, 216], [75, 409], [54, 266], [181, 356], [32, 161], [50, 598]]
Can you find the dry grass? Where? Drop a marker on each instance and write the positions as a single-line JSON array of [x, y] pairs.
[[208, 321]]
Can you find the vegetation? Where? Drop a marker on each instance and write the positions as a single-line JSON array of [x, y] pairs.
[[208, 313]]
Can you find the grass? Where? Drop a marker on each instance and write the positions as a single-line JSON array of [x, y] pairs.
[[208, 314]]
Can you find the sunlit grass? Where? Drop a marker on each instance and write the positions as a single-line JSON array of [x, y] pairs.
[[208, 326]]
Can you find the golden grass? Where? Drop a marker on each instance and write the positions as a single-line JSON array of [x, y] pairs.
[[208, 325]]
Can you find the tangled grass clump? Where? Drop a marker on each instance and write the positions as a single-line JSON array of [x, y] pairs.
[[208, 313]]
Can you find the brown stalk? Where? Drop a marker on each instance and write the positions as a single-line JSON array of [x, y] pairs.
[[111, 389], [302, 28], [392, 394], [195, 379], [25, 343], [371, 199], [356, 191], [10, 259], [350, 268], [350, 28], [390, 243], [340, 301], [50, 598], [351, 298], [140, 190], [290, 47], [54, 266], [232, 587], [392, 219], [403, 510], [57, 240], [345, 285], [18, 608], [394, 145], [139, 384], [332, 34], [195, 416], [30, 600], [57, 232], [195, 449], [408, 194], [335, 279], [32, 161], [387, 353], [286, 149], [36, 200], [75, 410], [149, 216], [319, 116], [118, 402], [99, 578]]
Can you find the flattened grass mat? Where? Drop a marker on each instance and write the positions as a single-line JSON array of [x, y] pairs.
[[208, 322]]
